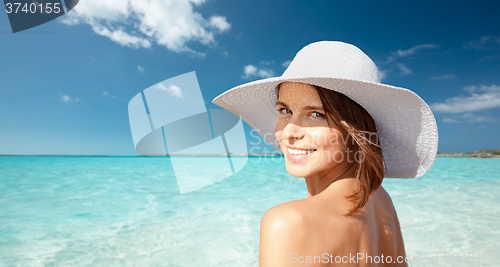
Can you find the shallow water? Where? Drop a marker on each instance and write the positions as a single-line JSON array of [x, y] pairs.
[[127, 211]]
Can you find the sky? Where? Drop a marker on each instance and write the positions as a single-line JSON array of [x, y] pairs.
[[65, 85]]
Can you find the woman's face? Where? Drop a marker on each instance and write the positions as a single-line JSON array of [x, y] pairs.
[[310, 146]]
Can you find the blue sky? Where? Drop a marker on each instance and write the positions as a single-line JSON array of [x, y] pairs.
[[65, 85]]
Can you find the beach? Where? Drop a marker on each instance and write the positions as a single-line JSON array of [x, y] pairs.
[[127, 211]]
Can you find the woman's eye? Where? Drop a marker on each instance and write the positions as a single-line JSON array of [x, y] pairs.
[[317, 114], [284, 111]]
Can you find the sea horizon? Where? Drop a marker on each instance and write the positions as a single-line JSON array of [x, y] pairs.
[[491, 153]]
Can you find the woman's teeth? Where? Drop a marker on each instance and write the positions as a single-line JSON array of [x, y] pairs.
[[299, 151]]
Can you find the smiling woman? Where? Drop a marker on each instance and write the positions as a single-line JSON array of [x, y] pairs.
[[344, 132], [319, 144]]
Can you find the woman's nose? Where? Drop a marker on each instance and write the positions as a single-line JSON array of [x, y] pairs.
[[293, 131]]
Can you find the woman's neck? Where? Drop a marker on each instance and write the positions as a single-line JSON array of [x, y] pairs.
[[341, 175]]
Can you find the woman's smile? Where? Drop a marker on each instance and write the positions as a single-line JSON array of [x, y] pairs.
[[297, 154]]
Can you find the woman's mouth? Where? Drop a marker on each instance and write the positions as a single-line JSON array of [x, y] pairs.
[[297, 155]]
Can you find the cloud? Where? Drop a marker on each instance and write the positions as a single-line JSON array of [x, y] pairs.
[[470, 88], [490, 57], [105, 93], [480, 98], [250, 71], [139, 24], [266, 63], [67, 98], [487, 45], [469, 118], [173, 90], [446, 77], [121, 37], [383, 74], [141, 69], [484, 43], [286, 63], [414, 49], [220, 23], [403, 69], [411, 51], [393, 61]]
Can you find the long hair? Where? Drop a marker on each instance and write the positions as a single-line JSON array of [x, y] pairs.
[[360, 126]]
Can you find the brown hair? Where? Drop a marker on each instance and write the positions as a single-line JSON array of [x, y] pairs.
[[359, 124]]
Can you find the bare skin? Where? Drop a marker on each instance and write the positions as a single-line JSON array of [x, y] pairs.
[[313, 231]]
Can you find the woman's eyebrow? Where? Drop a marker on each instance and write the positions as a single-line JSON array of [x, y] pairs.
[[281, 103], [313, 107], [306, 107]]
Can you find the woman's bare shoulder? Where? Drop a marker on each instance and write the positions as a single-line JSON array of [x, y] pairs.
[[383, 202], [284, 219], [297, 228], [292, 215]]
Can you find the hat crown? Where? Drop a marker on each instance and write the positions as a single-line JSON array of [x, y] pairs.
[[333, 60]]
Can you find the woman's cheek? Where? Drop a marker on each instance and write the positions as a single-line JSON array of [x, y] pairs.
[[321, 137]]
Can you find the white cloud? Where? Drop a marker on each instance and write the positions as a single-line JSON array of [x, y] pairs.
[[121, 37], [410, 51], [176, 91], [105, 93], [449, 120], [393, 61], [141, 69], [484, 43], [286, 63], [220, 23], [136, 23], [470, 88], [414, 49], [484, 97], [469, 118], [383, 74], [403, 69], [67, 98], [267, 63], [446, 77], [490, 57], [250, 71], [173, 90]]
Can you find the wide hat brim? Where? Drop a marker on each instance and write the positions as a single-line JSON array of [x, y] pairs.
[[406, 126]]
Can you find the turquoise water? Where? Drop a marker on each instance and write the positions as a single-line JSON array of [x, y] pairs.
[[127, 211]]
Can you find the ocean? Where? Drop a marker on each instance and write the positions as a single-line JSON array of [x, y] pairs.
[[128, 211]]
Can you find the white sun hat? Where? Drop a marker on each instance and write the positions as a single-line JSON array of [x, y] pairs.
[[406, 126]]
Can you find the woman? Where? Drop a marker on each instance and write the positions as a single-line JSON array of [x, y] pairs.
[[343, 131]]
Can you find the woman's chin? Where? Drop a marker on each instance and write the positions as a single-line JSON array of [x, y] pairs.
[[297, 170]]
